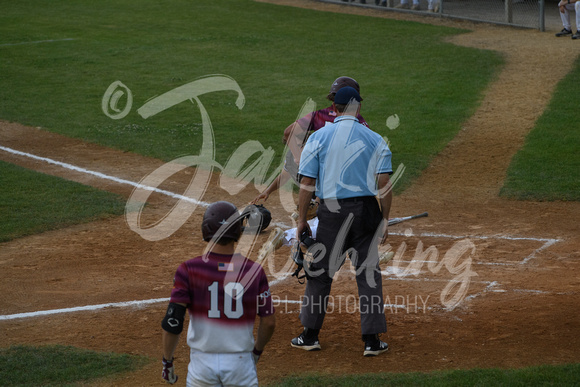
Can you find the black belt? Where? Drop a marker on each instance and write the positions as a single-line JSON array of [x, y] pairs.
[[350, 200]]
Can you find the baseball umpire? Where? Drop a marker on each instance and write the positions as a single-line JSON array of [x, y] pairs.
[[347, 165], [223, 292], [295, 136]]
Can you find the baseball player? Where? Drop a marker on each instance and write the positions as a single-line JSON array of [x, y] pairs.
[[295, 136], [347, 165], [565, 7], [223, 292]]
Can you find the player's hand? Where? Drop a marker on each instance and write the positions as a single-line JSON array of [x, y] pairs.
[[168, 373], [562, 5], [263, 196]]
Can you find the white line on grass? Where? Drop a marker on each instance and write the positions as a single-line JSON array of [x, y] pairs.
[[112, 178], [37, 42], [104, 176]]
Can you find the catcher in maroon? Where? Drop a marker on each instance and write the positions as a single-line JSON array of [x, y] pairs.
[[223, 292], [295, 136]]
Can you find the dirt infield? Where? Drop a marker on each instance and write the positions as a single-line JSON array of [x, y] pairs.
[[520, 306]]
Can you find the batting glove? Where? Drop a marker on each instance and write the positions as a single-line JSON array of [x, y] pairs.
[[168, 373]]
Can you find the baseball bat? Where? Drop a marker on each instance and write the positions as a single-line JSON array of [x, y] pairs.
[[405, 218]]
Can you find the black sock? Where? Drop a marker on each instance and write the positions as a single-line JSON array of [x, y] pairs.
[[310, 333]]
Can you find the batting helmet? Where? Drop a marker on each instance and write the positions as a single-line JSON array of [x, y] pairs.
[[341, 82], [222, 220], [257, 217]]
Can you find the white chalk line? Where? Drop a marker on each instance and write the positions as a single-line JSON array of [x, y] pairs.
[[104, 176], [488, 288], [548, 242], [84, 308], [113, 178], [491, 286], [123, 305], [36, 42], [535, 252]]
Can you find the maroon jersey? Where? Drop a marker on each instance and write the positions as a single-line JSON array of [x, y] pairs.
[[312, 122], [224, 294], [319, 118]]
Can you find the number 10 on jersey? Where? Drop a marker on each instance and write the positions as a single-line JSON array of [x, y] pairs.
[[233, 307]]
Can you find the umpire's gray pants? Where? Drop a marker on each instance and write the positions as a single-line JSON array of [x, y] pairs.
[[348, 228]]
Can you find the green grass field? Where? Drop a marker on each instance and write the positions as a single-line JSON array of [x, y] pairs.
[[547, 167], [279, 56], [33, 203], [58, 59], [61, 365]]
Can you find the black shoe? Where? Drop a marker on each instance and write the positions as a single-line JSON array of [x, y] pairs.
[[307, 344], [375, 347], [564, 32], [576, 35]]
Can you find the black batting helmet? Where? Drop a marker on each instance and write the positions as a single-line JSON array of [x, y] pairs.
[[257, 218], [222, 220]]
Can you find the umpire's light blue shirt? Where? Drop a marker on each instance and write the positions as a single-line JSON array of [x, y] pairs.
[[344, 158]]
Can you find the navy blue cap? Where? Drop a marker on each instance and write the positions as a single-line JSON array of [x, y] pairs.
[[345, 95]]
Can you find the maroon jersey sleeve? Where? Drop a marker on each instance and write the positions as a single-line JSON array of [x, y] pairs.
[[362, 120], [181, 290], [318, 119]]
